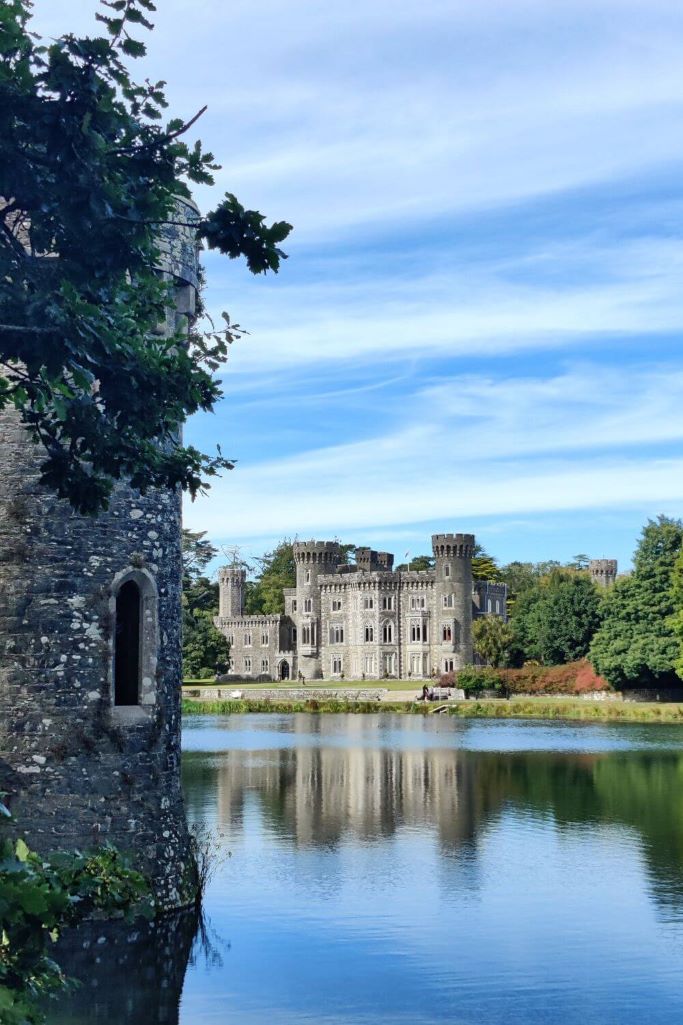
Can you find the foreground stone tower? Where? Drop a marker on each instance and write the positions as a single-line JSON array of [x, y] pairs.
[[603, 571], [90, 654], [453, 593], [313, 559]]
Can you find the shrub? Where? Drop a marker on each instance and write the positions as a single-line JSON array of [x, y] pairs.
[[474, 680]]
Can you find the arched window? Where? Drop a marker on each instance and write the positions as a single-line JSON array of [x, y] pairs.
[[369, 633], [388, 632], [135, 642], [127, 645]]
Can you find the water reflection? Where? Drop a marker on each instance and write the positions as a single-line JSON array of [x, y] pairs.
[[393, 870]]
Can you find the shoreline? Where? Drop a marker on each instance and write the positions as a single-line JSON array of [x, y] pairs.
[[493, 708]]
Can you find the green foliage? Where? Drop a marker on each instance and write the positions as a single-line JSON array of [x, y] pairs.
[[91, 176], [637, 643], [554, 621], [277, 570], [418, 564], [676, 621], [474, 680], [39, 896], [205, 649], [493, 639]]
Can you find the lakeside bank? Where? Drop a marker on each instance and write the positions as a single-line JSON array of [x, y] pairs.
[[483, 708]]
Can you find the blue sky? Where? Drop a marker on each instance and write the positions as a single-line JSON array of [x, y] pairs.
[[478, 326]]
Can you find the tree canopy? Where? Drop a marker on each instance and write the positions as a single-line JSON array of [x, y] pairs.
[[276, 571], [636, 644], [91, 170], [205, 649], [554, 620]]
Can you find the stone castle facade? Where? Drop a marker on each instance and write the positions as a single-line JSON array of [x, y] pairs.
[[362, 621]]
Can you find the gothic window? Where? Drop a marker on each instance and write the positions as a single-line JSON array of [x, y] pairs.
[[308, 605], [336, 604], [497, 607], [230, 639], [418, 602], [489, 605], [390, 664], [247, 639], [447, 570], [369, 602], [369, 633], [308, 576], [387, 633], [416, 664], [306, 634], [447, 632], [448, 601], [293, 604], [388, 602], [448, 665], [247, 666], [336, 665], [336, 634], [127, 645], [264, 639], [264, 665], [369, 663]]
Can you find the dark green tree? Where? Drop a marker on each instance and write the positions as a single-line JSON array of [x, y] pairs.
[[205, 649], [276, 570], [555, 620], [418, 564], [493, 639], [90, 173], [636, 645], [484, 566]]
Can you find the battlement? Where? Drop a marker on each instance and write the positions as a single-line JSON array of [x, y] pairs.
[[369, 559], [323, 553], [603, 571], [230, 574], [448, 546]]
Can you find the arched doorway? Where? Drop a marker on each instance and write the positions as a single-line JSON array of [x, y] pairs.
[[283, 670], [127, 645]]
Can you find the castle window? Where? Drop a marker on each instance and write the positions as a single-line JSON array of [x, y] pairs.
[[247, 666], [265, 639], [336, 604], [293, 604], [369, 633], [390, 664], [264, 665], [418, 631], [306, 634], [368, 603], [127, 645], [336, 634], [387, 633], [497, 607], [369, 663], [447, 570], [448, 601], [418, 602], [388, 602], [247, 640], [230, 639], [415, 665], [337, 665], [448, 665], [447, 632], [308, 605], [489, 605], [308, 576]]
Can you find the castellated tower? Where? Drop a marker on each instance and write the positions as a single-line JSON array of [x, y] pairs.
[[231, 581], [603, 571], [313, 559], [453, 596], [90, 653]]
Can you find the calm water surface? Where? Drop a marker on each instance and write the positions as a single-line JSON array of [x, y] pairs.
[[386, 869]]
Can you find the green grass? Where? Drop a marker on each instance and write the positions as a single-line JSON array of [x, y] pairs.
[[516, 708], [415, 685]]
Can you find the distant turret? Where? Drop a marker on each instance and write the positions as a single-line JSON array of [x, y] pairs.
[[603, 571], [453, 565], [231, 580], [313, 559]]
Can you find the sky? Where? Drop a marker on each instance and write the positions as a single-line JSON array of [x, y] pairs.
[[477, 328]]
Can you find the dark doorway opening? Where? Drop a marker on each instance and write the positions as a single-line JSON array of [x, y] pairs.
[[284, 670], [127, 645]]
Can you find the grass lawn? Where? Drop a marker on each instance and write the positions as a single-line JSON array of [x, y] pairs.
[[248, 685]]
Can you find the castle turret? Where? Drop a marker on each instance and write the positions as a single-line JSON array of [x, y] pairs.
[[313, 559], [90, 652], [231, 580], [453, 592], [603, 571]]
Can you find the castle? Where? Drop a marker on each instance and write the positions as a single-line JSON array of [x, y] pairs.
[[362, 621]]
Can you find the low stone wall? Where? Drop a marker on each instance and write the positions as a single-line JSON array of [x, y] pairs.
[[219, 693]]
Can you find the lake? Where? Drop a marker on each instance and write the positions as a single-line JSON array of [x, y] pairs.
[[374, 870]]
